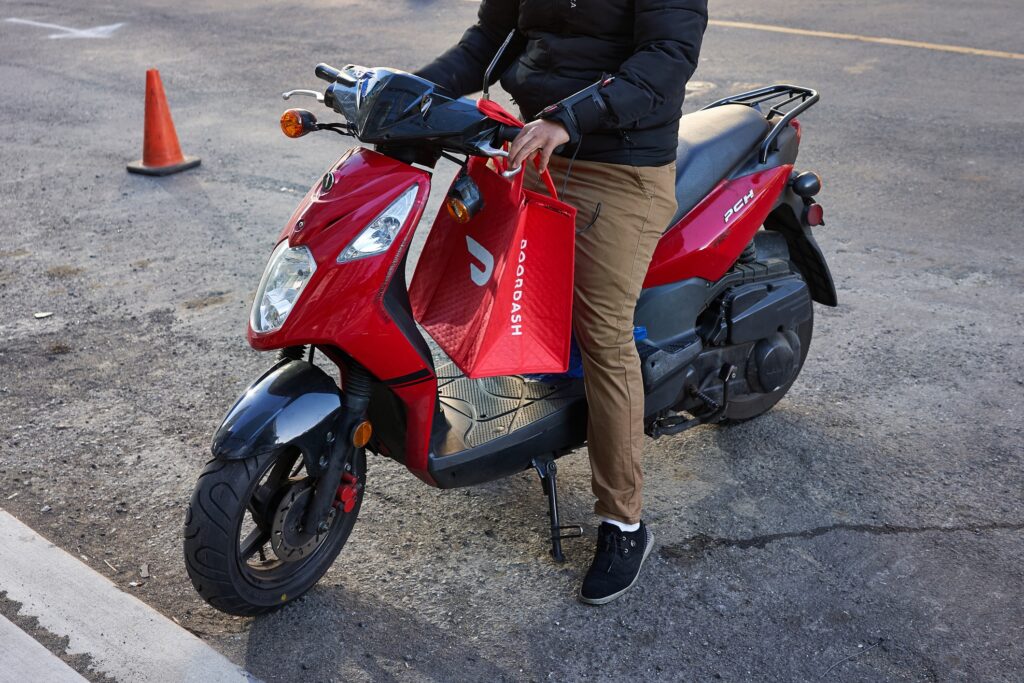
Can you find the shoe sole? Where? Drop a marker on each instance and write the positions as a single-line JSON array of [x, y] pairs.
[[608, 598]]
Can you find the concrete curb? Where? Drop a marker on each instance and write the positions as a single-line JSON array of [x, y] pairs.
[[126, 639], [23, 659]]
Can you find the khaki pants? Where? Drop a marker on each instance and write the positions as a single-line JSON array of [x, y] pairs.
[[622, 212]]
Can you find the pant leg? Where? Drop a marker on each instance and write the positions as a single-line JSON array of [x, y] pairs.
[[622, 212]]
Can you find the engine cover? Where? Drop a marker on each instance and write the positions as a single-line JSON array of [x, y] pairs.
[[761, 328], [774, 361], [760, 309]]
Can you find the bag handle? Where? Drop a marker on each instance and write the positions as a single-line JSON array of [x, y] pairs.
[[496, 112], [517, 181], [548, 180]]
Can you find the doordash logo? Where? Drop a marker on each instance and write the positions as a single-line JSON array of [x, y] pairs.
[[517, 292], [479, 276]]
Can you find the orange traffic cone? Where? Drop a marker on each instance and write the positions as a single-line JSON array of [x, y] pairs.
[[161, 154]]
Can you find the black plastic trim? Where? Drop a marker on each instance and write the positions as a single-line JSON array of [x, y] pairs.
[[396, 303], [557, 434], [294, 404], [409, 379], [669, 312], [804, 251], [386, 411]]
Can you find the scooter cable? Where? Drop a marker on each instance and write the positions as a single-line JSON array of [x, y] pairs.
[[568, 169]]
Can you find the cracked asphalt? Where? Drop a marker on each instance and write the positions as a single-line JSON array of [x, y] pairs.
[[869, 528]]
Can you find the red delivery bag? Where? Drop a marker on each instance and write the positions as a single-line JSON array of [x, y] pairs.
[[495, 292]]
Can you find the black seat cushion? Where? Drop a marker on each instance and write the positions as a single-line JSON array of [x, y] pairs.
[[711, 144]]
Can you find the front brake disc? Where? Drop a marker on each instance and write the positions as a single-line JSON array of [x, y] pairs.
[[290, 541]]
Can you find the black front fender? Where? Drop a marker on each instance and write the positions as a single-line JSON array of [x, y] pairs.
[[295, 404]]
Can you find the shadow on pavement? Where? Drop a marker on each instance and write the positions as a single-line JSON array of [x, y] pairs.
[[336, 635]]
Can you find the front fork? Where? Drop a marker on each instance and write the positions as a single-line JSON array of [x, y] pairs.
[[356, 399]]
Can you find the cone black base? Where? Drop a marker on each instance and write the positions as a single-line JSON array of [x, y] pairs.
[[139, 167]]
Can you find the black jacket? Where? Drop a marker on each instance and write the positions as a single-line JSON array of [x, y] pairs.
[[630, 58]]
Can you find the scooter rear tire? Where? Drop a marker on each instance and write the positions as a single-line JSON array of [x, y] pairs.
[[754, 405]]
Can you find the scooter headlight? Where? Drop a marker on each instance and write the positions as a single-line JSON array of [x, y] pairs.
[[287, 273], [381, 232]]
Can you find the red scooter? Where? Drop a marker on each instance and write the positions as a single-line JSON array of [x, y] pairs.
[[725, 321]]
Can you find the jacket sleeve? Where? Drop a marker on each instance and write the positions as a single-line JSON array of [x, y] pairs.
[[460, 70], [667, 40]]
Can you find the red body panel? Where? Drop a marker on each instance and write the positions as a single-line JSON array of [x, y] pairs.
[[342, 305], [709, 239]]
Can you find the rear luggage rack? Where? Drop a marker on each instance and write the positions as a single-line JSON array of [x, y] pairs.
[[804, 97]]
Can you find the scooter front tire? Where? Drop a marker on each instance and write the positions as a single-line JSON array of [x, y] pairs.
[[213, 553]]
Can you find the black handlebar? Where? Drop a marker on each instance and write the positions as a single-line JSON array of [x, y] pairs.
[[327, 73], [507, 133]]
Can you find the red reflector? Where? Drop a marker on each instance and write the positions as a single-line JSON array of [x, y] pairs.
[[798, 128], [815, 215]]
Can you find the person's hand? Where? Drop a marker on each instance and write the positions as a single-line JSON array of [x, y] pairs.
[[537, 137]]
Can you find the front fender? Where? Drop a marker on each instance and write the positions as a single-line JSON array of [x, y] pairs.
[[294, 404]]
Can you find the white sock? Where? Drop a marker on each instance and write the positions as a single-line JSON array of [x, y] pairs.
[[621, 525]]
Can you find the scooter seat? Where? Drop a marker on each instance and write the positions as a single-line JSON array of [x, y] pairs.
[[712, 143]]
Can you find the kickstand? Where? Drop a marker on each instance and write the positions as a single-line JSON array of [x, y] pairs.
[[548, 471]]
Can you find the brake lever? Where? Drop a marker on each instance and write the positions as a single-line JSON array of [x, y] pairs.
[[319, 97], [489, 150], [514, 172]]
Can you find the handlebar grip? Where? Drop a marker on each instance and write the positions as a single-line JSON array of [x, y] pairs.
[[327, 73], [507, 133]]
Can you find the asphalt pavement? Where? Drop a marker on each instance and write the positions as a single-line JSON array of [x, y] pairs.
[[869, 528]]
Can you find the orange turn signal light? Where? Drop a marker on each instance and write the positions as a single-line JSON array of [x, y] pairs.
[[361, 434], [464, 199], [297, 122], [458, 210]]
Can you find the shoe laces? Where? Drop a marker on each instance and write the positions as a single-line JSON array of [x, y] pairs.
[[618, 545]]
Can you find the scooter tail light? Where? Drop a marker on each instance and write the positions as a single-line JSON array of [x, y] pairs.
[[814, 215], [798, 127]]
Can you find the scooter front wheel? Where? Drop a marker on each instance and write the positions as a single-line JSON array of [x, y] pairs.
[[245, 550]]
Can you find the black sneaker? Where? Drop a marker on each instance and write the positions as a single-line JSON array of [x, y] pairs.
[[616, 565]]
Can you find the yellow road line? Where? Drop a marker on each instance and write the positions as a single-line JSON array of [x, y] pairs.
[[869, 39]]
